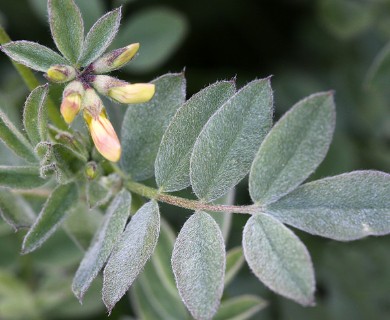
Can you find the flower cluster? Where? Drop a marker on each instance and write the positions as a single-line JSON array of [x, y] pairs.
[[80, 94]]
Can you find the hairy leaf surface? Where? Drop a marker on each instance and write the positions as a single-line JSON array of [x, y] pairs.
[[67, 27], [278, 258], [345, 207], [52, 215], [81, 224], [100, 36], [15, 210], [103, 243], [35, 115], [144, 125], [32, 55], [198, 262], [173, 158], [225, 148], [157, 283], [131, 253], [23, 177], [293, 149]]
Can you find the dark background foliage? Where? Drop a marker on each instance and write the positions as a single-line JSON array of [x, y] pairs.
[[308, 46]]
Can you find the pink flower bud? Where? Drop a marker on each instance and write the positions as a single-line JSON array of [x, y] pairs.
[[103, 135]]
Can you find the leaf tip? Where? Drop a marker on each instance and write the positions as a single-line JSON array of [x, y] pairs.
[[25, 250], [118, 11], [78, 293], [109, 305], [308, 301]]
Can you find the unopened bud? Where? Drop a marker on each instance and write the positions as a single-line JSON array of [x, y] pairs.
[[133, 93], [92, 103], [115, 59], [71, 101], [91, 170], [103, 135], [61, 73], [122, 91]]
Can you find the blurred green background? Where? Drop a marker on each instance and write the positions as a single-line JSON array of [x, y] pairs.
[[307, 46]]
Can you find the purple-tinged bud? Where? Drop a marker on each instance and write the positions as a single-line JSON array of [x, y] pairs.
[[103, 135], [115, 59], [92, 103], [61, 73], [91, 170]]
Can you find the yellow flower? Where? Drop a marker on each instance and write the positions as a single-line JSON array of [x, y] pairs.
[[71, 101], [103, 135], [115, 59], [127, 54], [122, 91], [132, 93]]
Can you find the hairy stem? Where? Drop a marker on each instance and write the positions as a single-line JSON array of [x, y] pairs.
[[155, 194], [38, 193], [32, 82]]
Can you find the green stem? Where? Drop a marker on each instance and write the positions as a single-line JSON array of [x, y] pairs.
[[157, 195], [32, 82], [25, 73]]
